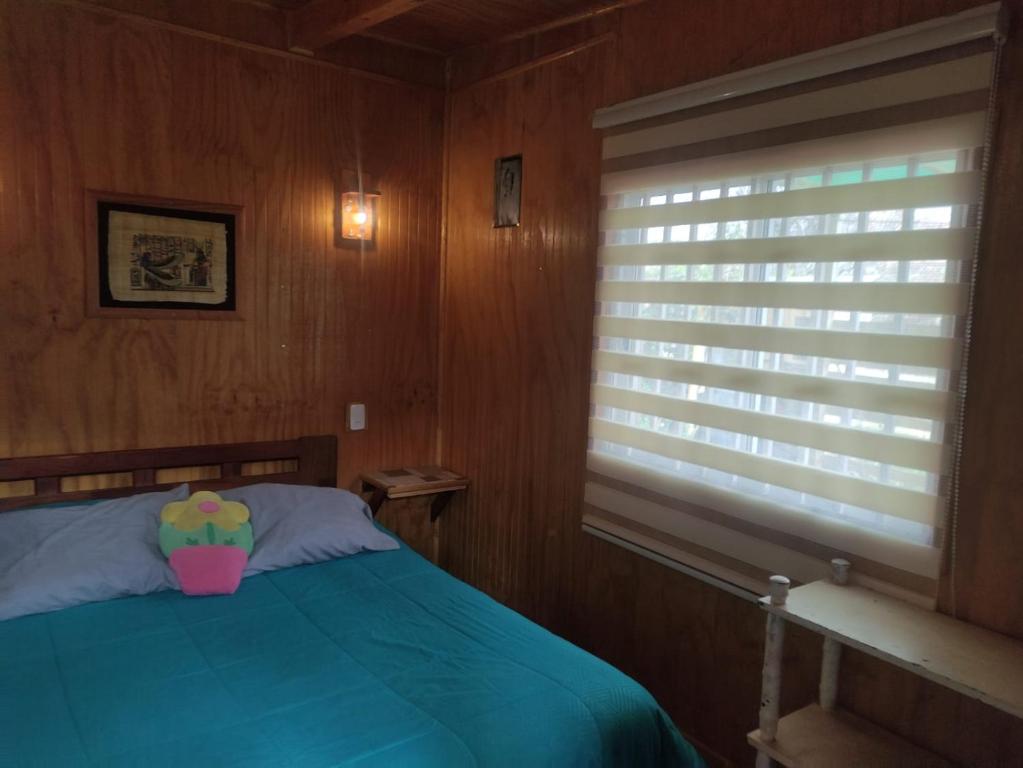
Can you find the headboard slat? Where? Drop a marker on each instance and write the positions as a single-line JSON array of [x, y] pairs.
[[47, 485], [142, 477], [316, 457], [231, 469]]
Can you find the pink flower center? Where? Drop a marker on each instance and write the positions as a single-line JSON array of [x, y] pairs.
[[209, 507]]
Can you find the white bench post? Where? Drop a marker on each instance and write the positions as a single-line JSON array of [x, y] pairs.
[[771, 683], [831, 654]]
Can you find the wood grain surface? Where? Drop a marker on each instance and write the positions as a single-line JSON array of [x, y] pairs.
[[516, 330], [452, 25], [515, 340], [260, 26], [307, 460], [91, 101]]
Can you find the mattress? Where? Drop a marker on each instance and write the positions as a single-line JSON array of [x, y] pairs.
[[379, 659]]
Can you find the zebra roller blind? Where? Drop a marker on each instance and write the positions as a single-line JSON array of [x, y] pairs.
[[782, 303]]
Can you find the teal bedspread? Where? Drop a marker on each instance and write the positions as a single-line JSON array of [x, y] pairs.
[[379, 659]]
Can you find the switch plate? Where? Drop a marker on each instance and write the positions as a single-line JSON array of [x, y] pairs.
[[356, 417]]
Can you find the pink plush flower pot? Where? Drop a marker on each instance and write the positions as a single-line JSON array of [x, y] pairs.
[[210, 569]]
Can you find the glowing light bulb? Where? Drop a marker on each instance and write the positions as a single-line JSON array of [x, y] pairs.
[[358, 215]]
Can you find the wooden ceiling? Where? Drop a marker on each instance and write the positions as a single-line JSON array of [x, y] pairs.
[[440, 26], [409, 41]]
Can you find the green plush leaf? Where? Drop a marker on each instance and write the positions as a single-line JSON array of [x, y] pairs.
[[171, 538]]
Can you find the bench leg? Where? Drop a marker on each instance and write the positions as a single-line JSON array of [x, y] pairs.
[[770, 687], [830, 658]]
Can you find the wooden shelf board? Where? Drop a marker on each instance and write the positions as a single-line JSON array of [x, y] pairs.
[[969, 659], [423, 490], [813, 738], [415, 481]]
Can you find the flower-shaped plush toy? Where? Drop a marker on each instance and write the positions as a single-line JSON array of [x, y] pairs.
[[208, 542]]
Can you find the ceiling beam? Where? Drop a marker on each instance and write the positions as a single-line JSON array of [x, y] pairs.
[[319, 23]]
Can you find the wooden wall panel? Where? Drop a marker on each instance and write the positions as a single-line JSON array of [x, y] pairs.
[[90, 101], [478, 64], [451, 25], [87, 100], [665, 43], [515, 374], [382, 57], [252, 22], [516, 327], [263, 26], [990, 534]]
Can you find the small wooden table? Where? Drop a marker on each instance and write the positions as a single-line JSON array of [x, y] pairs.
[[406, 482]]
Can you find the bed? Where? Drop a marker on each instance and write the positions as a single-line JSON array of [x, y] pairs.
[[377, 659]]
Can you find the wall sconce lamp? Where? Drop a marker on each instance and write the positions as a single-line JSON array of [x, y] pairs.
[[357, 213]]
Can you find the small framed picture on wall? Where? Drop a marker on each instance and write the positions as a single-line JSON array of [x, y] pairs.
[[507, 191]]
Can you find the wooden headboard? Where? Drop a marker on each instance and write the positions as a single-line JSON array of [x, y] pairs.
[[304, 461]]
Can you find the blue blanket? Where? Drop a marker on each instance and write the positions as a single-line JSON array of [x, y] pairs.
[[378, 659]]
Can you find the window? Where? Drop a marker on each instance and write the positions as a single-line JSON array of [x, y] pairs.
[[780, 320], [798, 431]]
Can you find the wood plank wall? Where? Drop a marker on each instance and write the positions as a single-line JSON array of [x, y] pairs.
[[515, 338], [93, 101]]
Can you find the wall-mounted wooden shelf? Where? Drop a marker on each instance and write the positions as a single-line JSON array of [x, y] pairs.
[[813, 738], [976, 662], [964, 657], [407, 482], [413, 481]]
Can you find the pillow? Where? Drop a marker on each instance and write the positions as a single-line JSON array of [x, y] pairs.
[[55, 557], [297, 524]]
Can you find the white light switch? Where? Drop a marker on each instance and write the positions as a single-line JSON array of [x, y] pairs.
[[356, 416]]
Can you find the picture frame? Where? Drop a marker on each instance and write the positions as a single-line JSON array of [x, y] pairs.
[[508, 191], [166, 258]]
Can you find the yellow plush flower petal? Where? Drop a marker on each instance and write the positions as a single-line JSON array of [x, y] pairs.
[[205, 507], [171, 512], [237, 512]]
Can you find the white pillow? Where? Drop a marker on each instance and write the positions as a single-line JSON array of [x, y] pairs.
[[296, 524], [55, 557]]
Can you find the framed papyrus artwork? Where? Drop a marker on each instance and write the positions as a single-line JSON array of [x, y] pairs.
[[152, 257]]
